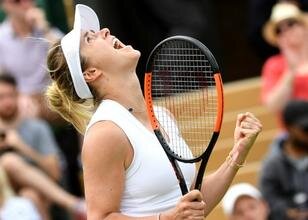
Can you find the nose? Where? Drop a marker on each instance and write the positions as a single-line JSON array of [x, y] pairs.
[[105, 32]]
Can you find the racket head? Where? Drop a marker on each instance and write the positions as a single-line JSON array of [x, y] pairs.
[[184, 97]]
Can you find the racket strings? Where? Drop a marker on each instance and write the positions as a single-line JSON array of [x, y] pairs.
[[184, 93]]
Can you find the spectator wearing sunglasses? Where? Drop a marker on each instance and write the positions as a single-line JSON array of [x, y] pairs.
[[285, 75]]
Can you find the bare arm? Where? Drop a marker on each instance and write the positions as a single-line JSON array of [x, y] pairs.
[[49, 163], [215, 185]]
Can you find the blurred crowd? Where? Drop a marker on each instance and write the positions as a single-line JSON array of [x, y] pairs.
[[40, 171], [41, 176]]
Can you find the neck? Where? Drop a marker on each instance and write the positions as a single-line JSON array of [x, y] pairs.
[[129, 94], [127, 91]]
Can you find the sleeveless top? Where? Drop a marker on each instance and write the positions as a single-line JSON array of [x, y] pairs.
[[151, 185]]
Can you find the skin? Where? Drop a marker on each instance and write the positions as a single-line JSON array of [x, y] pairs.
[[30, 181], [24, 18], [120, 83], [248, 208], [293, 45], [9, 121]]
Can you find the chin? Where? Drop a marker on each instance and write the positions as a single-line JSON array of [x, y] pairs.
[[136, 53], [135, 57]]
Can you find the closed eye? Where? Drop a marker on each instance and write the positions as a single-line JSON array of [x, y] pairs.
[[90, 36]]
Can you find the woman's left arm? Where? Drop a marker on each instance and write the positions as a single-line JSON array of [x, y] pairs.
[[216, 184]]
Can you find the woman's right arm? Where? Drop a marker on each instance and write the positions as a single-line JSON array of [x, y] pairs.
[[106, 154]]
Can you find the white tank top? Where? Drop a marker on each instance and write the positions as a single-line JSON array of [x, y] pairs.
[[151, 186]]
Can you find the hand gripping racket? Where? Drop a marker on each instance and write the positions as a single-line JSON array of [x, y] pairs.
[[184, 97]]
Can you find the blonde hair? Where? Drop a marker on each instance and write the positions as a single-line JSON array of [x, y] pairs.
[[61, 95]]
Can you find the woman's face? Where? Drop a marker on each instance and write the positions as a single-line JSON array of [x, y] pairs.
[[105, 52], [291, 33]]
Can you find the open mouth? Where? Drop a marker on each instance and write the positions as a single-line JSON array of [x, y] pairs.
[[117, 44]]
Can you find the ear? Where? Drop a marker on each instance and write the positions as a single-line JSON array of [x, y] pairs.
[[91, 74]]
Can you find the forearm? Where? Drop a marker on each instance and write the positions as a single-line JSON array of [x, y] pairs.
[[48, 163], [216, 184]]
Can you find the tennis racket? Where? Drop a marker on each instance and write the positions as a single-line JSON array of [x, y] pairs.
[[184, 97]]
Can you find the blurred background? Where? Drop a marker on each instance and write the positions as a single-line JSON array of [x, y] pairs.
[[230, 29]]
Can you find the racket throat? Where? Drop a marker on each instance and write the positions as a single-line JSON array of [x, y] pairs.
[[204, 161], [174, 163], [201, 174]]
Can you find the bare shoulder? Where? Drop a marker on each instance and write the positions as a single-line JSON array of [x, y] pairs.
[[105, 140]]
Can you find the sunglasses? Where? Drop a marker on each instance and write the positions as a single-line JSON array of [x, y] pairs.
[[283, 26]]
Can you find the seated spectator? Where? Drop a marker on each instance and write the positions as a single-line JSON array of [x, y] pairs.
[[25, 37], [284, 175], [30, 156], [243, 201], [12, 206], [285, 76]]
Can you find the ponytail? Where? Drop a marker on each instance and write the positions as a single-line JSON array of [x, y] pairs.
[[77, 113], [61, 95]]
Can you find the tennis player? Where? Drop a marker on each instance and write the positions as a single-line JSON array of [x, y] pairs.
[[127, 174]]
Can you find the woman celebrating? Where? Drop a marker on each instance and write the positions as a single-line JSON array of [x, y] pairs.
[[96, 88]]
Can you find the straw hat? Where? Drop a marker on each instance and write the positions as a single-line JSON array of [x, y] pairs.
[[282, 11]]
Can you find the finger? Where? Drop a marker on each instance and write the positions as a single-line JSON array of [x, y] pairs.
[[249, 132], [194, 195], [250, 124], [252, 120], [198, 205], [240, 118], [192, 214], [249, 115]]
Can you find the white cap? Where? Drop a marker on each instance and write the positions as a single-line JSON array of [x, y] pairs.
[[85, 19], [237, 191]]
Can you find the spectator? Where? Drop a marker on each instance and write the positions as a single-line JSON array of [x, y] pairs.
[[284, 175], [29, 154], [244, 202], [285, 76], [12, 206], [259, 13], [25, 36]]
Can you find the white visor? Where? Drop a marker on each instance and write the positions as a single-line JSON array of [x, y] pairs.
[[85, 20]]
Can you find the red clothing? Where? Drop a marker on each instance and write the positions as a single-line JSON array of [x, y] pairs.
[[271, 74]]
